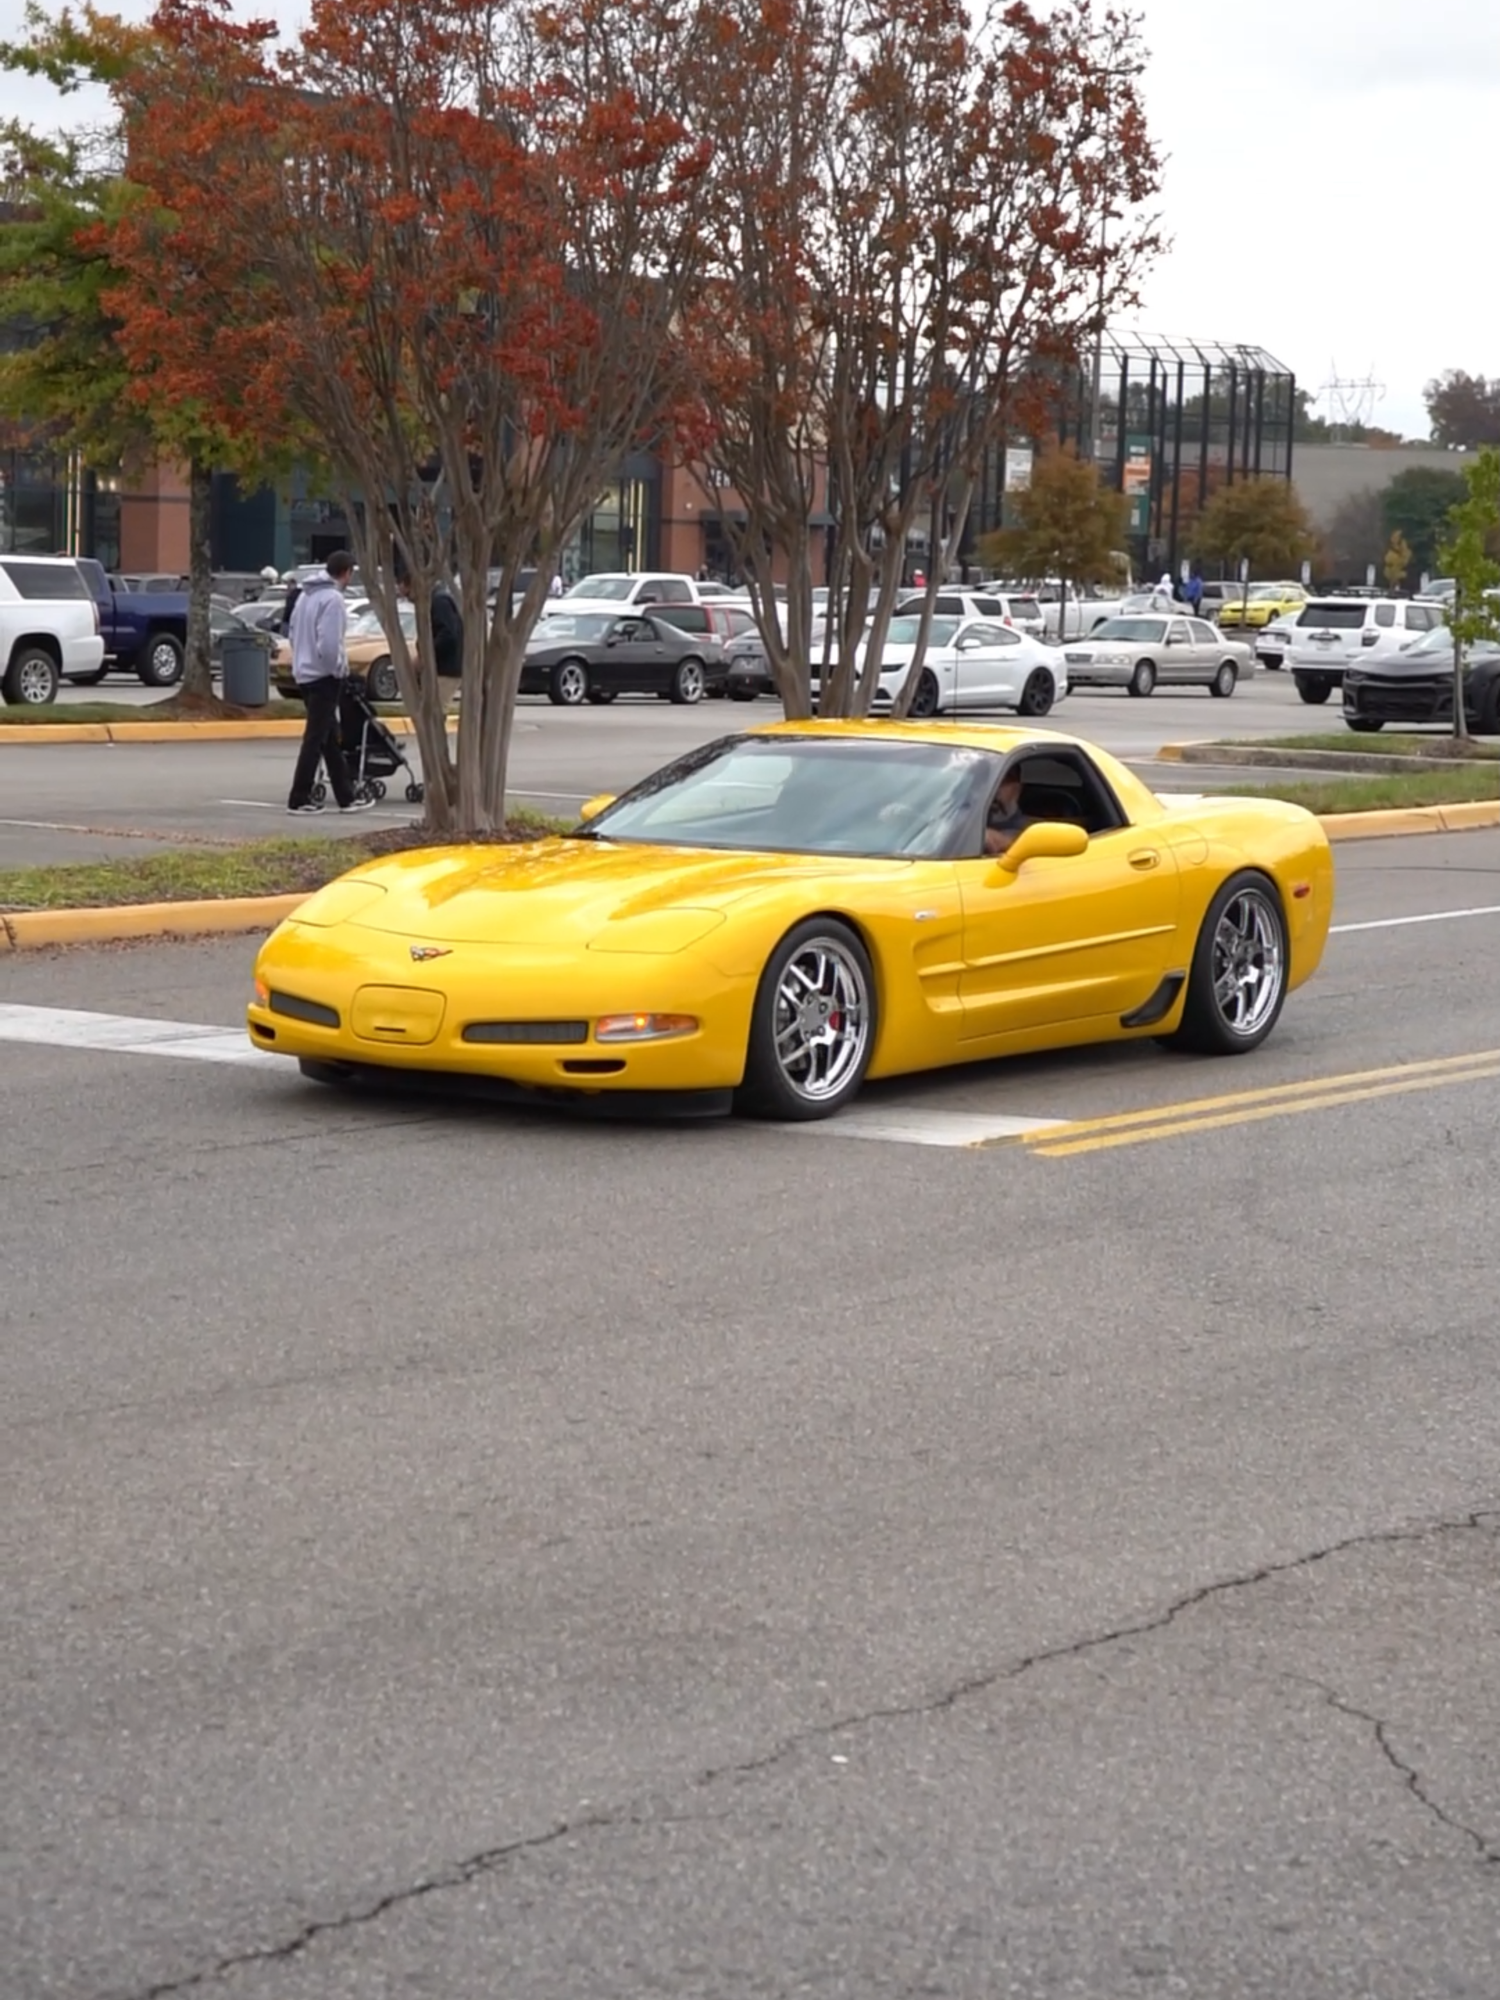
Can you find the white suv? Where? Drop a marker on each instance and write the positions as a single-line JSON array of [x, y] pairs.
[[1015, 608], [1331, 632], [49, 626]]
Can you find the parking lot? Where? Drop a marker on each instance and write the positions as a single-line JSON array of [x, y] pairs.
[[72, 802], [1033, 1535]]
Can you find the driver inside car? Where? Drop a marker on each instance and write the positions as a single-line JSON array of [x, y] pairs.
[[1005, 818]]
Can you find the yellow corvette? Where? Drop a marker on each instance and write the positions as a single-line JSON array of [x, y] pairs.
[[1265, 602], [780, 914]]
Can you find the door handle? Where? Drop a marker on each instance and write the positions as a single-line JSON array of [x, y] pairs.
[[1144, 857]]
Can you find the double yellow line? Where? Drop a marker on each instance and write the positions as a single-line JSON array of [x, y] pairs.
[[1248, 1107]]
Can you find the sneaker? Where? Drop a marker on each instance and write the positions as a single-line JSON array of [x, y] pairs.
[[357, 806], [307, 806]]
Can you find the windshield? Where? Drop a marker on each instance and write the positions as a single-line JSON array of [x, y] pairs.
[[366, 624], [558, 625], [903, 631], [616, 588], [1139, 631], [806, 795], [1267, 593]]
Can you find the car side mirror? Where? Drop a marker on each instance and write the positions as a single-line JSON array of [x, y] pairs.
[[591, 808], [1046, 840]]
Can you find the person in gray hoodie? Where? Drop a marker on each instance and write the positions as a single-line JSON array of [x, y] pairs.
[[320, 666]]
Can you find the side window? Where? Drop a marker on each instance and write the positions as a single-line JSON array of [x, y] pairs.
[[990, 607], [1422, 617], [1177, 633], [981, 635], [670, 590], [39, 582], [1064, 785], [1385, 614], [686, 617]]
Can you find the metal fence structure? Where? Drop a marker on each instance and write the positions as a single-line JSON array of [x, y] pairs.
[[1168, 421]]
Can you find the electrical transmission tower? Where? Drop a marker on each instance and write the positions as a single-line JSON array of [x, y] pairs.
[[1349, 400]]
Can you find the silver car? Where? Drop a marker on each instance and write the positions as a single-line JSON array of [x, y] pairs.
[[1140, 652]]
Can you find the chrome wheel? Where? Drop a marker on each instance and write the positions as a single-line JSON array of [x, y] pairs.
[[570, 683], [381, 683], [32, 680], [688, 682], [1248, 963], [1224, 680], [162, 664], [820, 1020]]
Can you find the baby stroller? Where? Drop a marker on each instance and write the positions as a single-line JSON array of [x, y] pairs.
[[372, 753]]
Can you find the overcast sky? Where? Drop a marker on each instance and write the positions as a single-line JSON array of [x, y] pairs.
[[1329, 164]]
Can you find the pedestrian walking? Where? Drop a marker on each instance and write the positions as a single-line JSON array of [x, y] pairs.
[[320, 666]]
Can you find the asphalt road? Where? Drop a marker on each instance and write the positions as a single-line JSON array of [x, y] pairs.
[[478, 1554], [79, 802]]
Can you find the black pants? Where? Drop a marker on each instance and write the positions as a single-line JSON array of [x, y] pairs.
[[320, 744]]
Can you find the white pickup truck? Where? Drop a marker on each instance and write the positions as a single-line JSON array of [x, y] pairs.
[[625, 590], [49, 626]]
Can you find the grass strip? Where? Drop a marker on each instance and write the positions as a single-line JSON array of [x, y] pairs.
[[257, 868], [1334, 794], [1378, 743]]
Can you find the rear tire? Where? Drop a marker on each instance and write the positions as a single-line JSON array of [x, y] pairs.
[[1487, 721], [1038, 694], [1238, 979], [688, 684], [812, 1032], [568, 684], [31, 679], [1223, 683], [1365, 725], [160, 663], [380, 681], [1314, 693], [602, 697], [1143, 679]]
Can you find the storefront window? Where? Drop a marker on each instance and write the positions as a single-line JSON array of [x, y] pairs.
[[33, 503]]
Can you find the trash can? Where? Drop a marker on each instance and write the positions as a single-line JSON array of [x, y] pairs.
[[246, 667]]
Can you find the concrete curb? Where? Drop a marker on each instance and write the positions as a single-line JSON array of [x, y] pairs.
[[42, 733], [34, 930]]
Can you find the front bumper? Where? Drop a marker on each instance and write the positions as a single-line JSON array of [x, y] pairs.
[[523, 1017], [1428, 699]]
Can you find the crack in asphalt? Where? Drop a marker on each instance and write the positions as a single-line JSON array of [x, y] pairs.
[[460, 1873], [1410, 1776]]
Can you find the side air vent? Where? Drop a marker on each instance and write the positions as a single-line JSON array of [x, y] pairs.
[[296, 1009]]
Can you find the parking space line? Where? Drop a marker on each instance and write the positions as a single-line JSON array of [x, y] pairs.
[[1427, 917], [126, 1034]]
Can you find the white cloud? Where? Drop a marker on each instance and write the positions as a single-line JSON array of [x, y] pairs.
[[1330, 165]]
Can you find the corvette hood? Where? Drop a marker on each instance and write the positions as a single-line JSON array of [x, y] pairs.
[[566, 894]]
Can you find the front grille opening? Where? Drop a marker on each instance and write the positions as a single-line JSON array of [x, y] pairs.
[[297, 1009], [594, 1066], [532, 1033], [259, 1028]]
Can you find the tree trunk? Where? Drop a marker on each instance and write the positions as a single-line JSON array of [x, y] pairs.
[[1460, 713], [197, 675]]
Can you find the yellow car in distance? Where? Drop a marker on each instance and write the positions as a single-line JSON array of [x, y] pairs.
[[1265, 602], [781, 914]]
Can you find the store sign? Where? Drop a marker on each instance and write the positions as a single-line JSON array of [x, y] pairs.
[[1136, 482]]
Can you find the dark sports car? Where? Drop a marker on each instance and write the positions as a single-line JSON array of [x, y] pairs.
[[578, 656], [1416, 685]]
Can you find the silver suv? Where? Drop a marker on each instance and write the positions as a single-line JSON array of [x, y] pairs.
[[1329, 633]]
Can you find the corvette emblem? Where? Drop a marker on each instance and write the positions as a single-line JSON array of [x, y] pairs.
[[426, 951]]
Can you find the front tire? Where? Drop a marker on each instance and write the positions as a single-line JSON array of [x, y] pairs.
[[31, 679], [1038, 694], [1365, 725], [1143, 679], [926, 700], [813, 1029], [1487, 721], [568, 684], [1238, 979], [602, 697], [688, 684], [1223, 683], [160, 664]]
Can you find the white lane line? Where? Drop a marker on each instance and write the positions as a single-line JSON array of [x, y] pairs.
[[924, 1128], [1429, 917], [125, 1034]]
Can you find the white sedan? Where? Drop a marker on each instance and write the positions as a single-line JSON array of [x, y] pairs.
[[970, 663], [1140, 653]]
